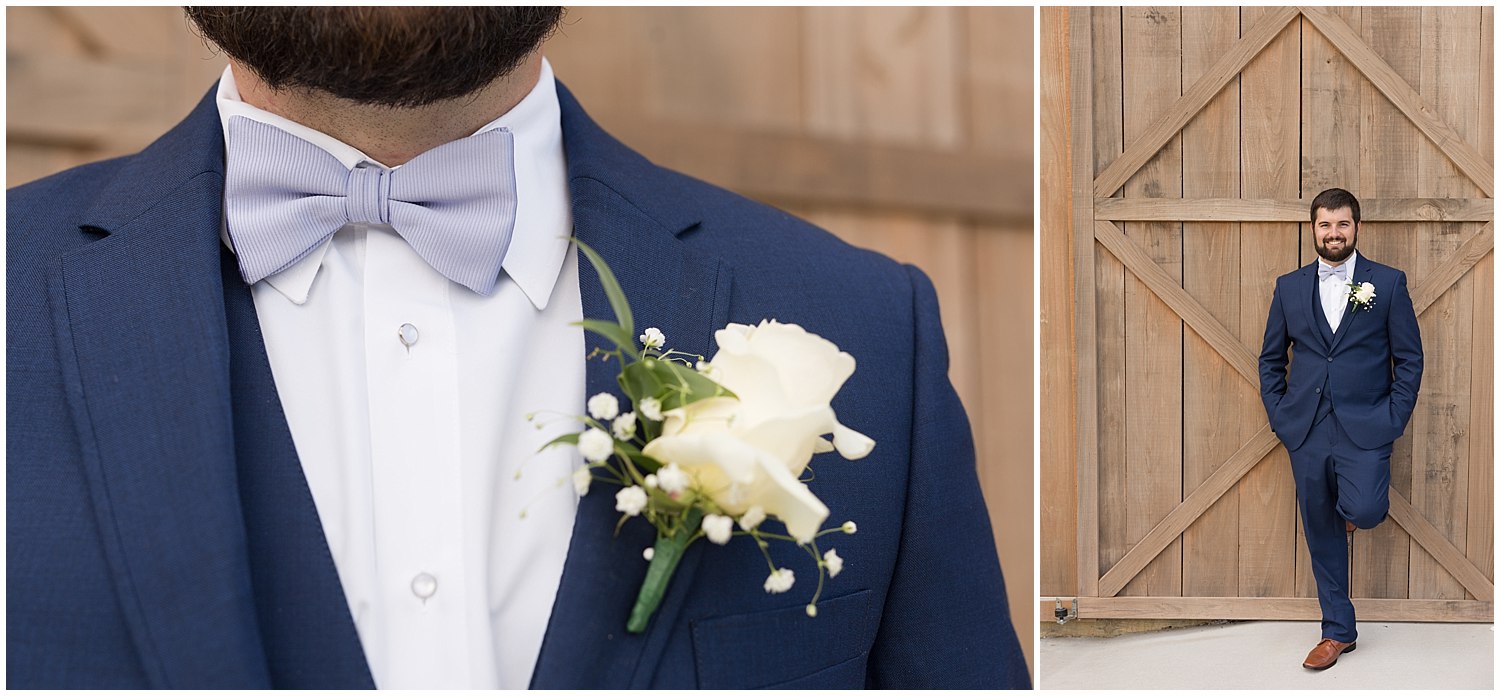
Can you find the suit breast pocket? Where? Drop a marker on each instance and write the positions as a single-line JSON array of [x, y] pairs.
[[782, 648]]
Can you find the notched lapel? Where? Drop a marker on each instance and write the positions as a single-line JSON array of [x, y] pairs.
[[586, 645], [1362, 273], [140, 320]]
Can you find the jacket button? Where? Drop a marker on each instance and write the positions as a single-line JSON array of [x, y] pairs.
[[1330, 360], [1317, 390]]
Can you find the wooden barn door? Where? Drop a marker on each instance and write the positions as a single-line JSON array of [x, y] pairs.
[[1198, 137]]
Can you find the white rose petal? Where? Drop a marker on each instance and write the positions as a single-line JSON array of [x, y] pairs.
[[624, 426], [653, 338], [581, 479], [1365, 293], [780, 580], [595, 445], [651, 408], [850, 528], [672, 479], [604, 406], [752, 518], [718, 528], [631, 500], [833, 562]]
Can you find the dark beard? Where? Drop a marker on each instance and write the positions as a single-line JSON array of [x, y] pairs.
[[1332, 257], [384, 56]]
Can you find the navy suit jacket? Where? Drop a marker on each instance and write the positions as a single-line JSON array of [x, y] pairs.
[[128, 559], [1370, 369]]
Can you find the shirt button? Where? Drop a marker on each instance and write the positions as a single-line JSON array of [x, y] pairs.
[[408, 335], [424, 585]]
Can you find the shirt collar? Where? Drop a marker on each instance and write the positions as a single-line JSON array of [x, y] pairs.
[[538, 244], [1348, 263]]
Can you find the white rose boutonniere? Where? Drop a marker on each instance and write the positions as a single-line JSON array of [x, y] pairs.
[[720, 440], [1362, 295]]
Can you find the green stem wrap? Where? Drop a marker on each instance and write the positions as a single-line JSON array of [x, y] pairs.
[[663, 563]]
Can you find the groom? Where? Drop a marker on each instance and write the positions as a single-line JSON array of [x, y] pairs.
[[268, 382], [1355, 370]]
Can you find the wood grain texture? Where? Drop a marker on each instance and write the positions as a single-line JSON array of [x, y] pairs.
[[1151, 139], [1217, 406], [1057, 543], [1407, 99], [1097, 138], [1150, 54], [1435, 542], [1439, 427], [1270, 609], [1269, 166], [1480, 539], [1389, 144], [1184, 306], [1160, 537], [1246, 209]]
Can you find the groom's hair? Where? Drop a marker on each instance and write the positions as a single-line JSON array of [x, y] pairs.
[[1333, 199]]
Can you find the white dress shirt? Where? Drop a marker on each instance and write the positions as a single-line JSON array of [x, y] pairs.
[[407, 396], [1335, 292]]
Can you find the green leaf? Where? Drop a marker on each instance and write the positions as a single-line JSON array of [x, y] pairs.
[[614, 332], [684, 385], [568, 439], [617, 301]]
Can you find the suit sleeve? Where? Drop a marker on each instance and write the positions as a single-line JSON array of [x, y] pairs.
[[1406, 353], [946, 623], [1273, 356]]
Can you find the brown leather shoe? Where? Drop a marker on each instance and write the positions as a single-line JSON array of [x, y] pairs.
[[1348, 527], [1326, 654]]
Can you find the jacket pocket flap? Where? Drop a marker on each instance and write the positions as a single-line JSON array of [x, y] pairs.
[[746, 651]]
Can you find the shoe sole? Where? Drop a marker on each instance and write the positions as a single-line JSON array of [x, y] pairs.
[[1349, 649]]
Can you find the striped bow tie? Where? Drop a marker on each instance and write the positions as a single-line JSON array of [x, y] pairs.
[[455, 204]]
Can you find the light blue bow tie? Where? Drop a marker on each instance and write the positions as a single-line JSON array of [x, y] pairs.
[[455, 204], [1342, 273]]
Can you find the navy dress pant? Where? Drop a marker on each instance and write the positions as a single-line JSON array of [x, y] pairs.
[[1336, 481]]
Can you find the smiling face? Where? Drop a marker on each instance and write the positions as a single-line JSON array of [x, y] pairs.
[[1335, 233]]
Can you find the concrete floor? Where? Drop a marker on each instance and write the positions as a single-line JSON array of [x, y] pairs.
[[1268, 655]]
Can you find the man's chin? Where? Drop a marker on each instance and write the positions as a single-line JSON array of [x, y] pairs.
[[1335, 256]]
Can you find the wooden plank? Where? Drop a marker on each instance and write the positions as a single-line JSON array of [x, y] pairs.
[[1094, 281], [998, 80], [1151, 48], [1058, 461], [1151, 139], [1208, 209], [1435, 542], [795, 169], [1480, 540], [1269, 609], [1172, 525], [1269, 168], [1408, 100], [1185, 308], [911, 90], [1210, 262], [1439, 428], [1389, 144], [87, 102], [127, 32], [1004, 318], [1453, 267]]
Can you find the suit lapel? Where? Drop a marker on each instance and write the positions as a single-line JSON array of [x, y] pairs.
[[1361, 274], [139, 317], [586, 645]]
